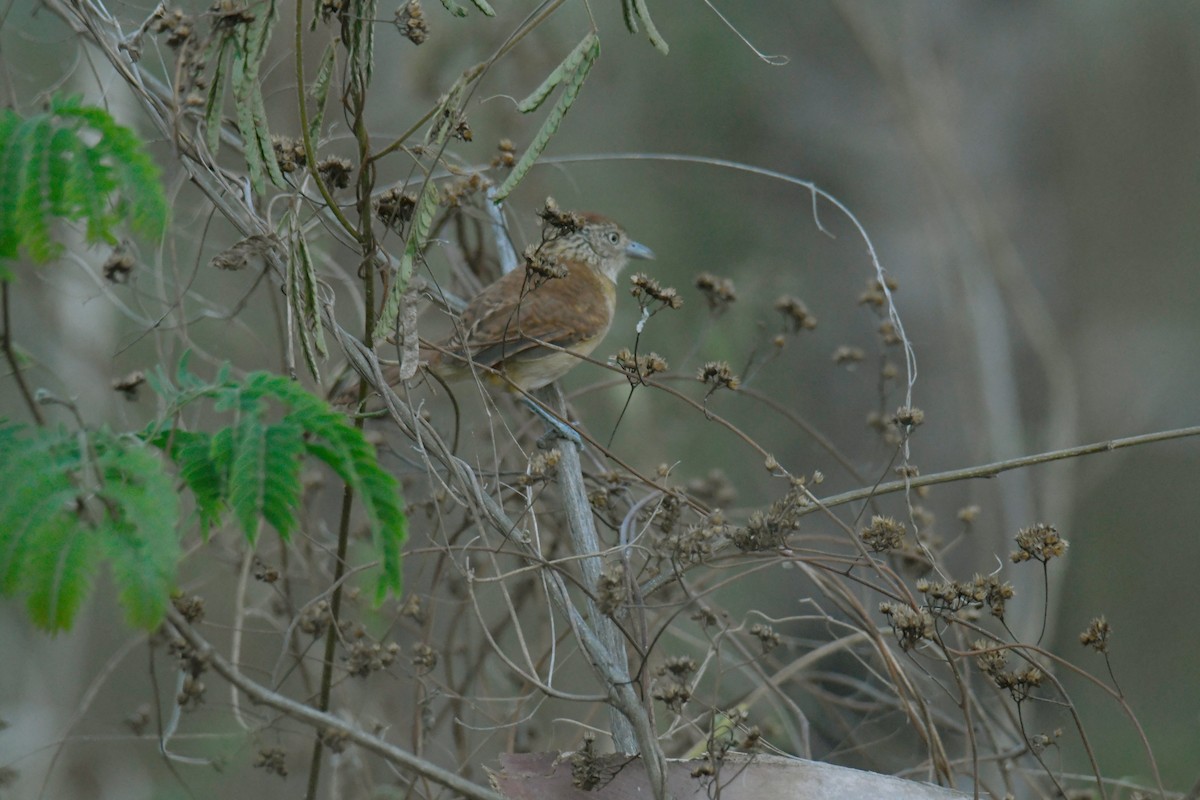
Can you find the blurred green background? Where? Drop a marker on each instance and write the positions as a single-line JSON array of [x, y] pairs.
[[1028, 172]]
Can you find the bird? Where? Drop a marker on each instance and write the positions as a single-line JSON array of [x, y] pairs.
[[532, 325]]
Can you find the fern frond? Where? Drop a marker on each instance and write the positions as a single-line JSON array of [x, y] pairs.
[[70, 501], [72, 162], [139, 536], [192, 453], [254, 467]]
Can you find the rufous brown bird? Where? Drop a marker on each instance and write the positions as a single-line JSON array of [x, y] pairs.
[[564, 298]]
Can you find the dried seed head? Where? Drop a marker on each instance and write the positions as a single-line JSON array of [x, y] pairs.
[[719, 292], [336, 171], [410, 21], [1040, 543], [719, 375], [796, 315], [130, 384], [906, 417], [648, 291], [884, 533], [1096, 635], [559, 222], [848, 356]]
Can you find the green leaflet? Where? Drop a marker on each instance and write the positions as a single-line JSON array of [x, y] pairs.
[[253, 467], [320, 90], [417, 235], [72, 162], [72, 500], [215, 100], [140, 537], [564, 71], [360, 44], [302, 285], [643, 13], [574, 83], [249, 45]]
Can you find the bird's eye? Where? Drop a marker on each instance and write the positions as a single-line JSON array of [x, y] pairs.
[[614, 237]]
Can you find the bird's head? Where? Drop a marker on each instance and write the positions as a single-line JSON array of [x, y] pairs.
[[604, 244]]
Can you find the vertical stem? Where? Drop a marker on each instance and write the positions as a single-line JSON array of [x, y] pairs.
[[356, 101], [581, 526], [11, 357], [335, 607]]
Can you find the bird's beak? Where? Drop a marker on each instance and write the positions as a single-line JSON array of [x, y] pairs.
[[639, 250]]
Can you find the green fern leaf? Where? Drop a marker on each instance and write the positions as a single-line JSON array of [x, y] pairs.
[[341, 446], [73, 162], [70, 501], [131, 167], [281, 484], [59, 569], [192, 454], [139, 536], [31, 217], [36, 493], [247, 473]]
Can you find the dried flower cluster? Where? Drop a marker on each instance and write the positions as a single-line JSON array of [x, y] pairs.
[[506, 158], [119, 265], [696, 542], [542, 467], [648, 291], [911, 625], [884, 533], [1039, 543], [874, 295], [559, 222], [908, 418], [395, 207], [1096, 635], [410, 21], [981, 590], [718, 292], [796, 316], [272, 760], [587, 766], [611, 588], [424, 657], [768, 639], [637, 369], [767, 530], [366, 657], [994, 662], [847, 356], [719, 375], [671, 685]]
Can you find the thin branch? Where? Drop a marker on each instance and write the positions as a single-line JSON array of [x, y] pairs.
[[321, 721]]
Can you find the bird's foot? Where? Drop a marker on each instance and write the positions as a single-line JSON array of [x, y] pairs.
[[555, 428]]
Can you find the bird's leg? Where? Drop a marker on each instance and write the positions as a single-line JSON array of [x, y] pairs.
[[556, 428]]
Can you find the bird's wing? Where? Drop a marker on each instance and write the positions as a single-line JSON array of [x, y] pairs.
[[513, 316]]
